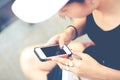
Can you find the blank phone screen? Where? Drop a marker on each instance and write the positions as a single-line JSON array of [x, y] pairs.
[[53, 51]]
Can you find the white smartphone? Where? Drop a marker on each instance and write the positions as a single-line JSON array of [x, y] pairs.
[[45, 53]]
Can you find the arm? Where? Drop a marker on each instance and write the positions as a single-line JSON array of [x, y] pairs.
[[78, 24], [88, 67], [105, 73], [69, 33]]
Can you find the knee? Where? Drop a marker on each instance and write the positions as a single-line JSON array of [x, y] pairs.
[[26, 61], [27, 55], [31, 65]]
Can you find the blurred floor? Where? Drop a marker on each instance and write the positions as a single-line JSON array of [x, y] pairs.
[[6, 14], [18, 35]]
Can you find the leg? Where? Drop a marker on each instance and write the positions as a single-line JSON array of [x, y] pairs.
[[32, 67], [36, 70]]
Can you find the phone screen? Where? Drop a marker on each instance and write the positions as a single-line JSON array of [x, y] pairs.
[[53, 51], [44, 52]]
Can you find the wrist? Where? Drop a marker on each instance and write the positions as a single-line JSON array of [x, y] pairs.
[[74, 31]]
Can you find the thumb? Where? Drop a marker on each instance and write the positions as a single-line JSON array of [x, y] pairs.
[[61, 43], [79, 55]]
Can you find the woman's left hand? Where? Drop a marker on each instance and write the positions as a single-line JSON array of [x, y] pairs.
[[83, 65]]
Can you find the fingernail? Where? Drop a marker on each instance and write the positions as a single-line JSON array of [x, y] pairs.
[[53, 59], [61, 47]]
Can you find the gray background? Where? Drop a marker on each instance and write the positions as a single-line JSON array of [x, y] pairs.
[[18, 35], [15, 35]]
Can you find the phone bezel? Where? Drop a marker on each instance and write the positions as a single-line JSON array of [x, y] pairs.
[[42, 57]]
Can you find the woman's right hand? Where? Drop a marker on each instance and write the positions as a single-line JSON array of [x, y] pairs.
[[62, 38]]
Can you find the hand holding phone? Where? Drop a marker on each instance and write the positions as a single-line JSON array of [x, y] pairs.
[[46, 53]]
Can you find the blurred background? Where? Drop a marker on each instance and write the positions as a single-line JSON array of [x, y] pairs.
[[15, 35]]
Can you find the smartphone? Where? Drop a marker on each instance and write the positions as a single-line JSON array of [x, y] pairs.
[[45, 53]]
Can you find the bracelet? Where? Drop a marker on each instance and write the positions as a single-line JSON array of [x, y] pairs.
[[76, 32]]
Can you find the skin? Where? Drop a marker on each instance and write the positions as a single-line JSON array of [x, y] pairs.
[[106, 17]]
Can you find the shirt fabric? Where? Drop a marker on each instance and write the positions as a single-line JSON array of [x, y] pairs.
[[107, 44]]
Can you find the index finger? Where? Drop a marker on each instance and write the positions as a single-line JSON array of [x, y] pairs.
[[60, 60]]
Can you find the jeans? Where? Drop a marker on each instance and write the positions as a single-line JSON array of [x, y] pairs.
[[55, 74]]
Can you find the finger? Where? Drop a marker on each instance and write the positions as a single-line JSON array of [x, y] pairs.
[[62, 61], [67, 66], [77, 56], [52, 41], [82, 56], [61, 42], [73, 68], [63, 67]]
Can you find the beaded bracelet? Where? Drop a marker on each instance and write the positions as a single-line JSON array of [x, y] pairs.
[[76, 32]]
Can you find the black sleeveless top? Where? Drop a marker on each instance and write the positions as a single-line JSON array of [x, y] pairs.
[[107, 44]]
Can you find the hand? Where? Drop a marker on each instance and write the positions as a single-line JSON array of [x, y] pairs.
[[83, 65], [61, 39]]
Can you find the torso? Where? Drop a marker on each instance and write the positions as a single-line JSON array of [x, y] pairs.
[[107, 43], [106, 22]]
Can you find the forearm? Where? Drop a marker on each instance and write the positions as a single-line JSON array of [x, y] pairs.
[[78, 24], [105, 73]]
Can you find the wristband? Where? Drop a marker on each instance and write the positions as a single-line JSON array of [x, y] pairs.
[[76, 32]]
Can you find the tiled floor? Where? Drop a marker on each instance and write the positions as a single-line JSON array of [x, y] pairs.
[[17, 36]]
